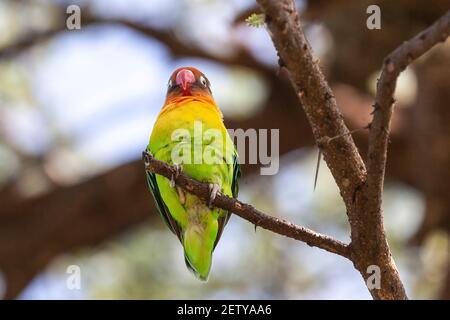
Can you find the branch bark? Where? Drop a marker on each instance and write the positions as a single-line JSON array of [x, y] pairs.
[[371, 209], [362, 193], [315, 96], [246, 211], [393, 65]]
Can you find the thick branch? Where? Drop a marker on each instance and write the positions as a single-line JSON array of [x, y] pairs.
[[368, 247], [393, 65], [315, 95], [247, 212]]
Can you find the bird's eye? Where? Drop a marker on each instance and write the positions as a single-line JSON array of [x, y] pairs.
[[170, 83], [203, 81]]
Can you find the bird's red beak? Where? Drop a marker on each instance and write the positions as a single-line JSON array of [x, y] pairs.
[[184, 79]]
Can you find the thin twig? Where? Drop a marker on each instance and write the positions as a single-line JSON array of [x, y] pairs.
[[316, 175], [393, 65], [326, 141]]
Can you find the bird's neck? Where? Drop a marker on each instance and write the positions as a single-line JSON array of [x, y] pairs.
[[184, 99]]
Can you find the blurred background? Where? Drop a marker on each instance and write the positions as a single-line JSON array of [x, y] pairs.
[[77, 108]]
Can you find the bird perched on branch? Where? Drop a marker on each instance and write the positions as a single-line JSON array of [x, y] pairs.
[[189, 133]]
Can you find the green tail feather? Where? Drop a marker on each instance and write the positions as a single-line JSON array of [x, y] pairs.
[[198, 250]]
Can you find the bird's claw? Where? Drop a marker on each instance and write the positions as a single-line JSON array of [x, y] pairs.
[[214, 189], [174, 177], [146, 155]]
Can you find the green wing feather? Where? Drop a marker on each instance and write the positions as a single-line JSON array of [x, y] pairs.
[[164, 211], [236, 176], [162, 208], [222, 221]]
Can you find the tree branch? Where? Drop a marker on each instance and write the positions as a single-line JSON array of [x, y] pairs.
[[393, 65], [368, 247], [315, 95], [362, 198], [246, 211]]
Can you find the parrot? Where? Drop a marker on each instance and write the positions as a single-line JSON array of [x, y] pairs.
[[189, 105]]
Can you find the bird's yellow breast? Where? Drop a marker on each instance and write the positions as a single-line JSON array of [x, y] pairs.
[[182, 113]]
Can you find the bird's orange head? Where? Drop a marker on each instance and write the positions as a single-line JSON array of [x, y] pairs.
[[188, 81]]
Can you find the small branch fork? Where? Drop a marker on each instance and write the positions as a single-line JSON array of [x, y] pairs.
[[393, 65], [246, 211]]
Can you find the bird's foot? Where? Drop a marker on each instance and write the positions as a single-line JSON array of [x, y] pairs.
[[214, 189], [146, 156], [178, 169]]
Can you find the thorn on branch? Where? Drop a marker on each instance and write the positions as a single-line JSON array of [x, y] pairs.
[[301, 92], [323, 141], [319, 156], [256, 224], [356, 190], [376, 107], [281, 62]]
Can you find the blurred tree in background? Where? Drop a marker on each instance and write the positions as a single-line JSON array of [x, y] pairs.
[[77, 107]]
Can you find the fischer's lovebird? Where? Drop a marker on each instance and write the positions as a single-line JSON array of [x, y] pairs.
[[190, 134]]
